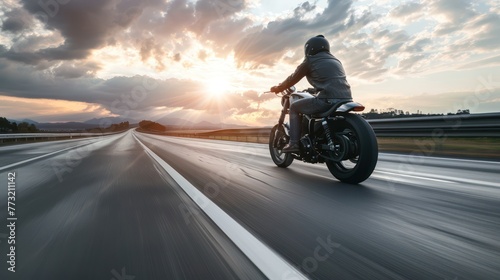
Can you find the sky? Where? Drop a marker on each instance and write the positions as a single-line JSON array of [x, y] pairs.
[[211, 60]]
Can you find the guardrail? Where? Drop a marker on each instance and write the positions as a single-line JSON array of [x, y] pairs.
[[477, 125], [17, 137], [251, 135]]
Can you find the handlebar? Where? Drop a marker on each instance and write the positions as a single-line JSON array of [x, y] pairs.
[[276, 93], [288, 91]]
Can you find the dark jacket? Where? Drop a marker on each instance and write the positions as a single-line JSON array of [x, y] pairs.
[[325, 73]]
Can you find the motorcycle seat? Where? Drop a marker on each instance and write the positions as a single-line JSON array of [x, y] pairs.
[[334, 107]]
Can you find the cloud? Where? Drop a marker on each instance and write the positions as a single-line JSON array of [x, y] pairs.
[[407, 64], [266, 45], [174, 27], [223, 35], [73, 70], [361, 61], [84, 25], [450, 31], [303, 9], [455, 11], [49, 110], [128, 97], [151, 48], [485, 28], [407, 11], [177, 57], [481, 100], [208, 11], [160, 30], [165, 30], [32, 43], [178, 16], [25, 57], [202, 55], [63, 51], [455, 14], [418, 45], [16, 20], [490, 61]]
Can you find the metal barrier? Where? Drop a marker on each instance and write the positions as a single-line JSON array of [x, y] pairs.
[[17, 137], [477, 125]]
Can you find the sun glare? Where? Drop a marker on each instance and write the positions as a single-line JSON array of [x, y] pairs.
[[218, 87]]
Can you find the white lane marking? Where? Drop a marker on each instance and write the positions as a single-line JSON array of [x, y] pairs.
[[39, 157], [473, 182], [447, 179], [413, 176], [443, 158], [268, 261]]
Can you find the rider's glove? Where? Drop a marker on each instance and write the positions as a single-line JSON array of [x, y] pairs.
[[276, 89], [311, 90]]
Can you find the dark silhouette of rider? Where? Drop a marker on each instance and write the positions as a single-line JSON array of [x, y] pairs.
[[326, 74]]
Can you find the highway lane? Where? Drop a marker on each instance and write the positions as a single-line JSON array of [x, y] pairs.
[[415, 218], [110, 212], [89, 212], [16, 153]]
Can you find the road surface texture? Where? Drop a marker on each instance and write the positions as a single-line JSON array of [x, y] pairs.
[[108, 208]]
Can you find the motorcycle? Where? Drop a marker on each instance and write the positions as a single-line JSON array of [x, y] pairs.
[[341, 139]]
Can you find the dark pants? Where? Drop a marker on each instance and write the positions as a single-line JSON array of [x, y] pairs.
[[305, 106]]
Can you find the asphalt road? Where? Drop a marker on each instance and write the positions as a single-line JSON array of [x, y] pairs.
[[103, 208]]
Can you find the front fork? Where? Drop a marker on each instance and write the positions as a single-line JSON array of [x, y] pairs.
[[281, 122], [284, 111]]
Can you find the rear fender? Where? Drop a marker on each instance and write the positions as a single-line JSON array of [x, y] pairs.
[[350, 106]]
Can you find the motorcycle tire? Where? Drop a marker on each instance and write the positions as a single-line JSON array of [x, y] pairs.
[[279, 158], [363, 140]]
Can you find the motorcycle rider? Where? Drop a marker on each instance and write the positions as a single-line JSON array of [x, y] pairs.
[[326, 74]]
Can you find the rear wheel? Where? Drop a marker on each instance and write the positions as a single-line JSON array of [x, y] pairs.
[[277, 140], [361, 154]]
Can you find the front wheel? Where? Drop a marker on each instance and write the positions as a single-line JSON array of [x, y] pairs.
[[362, 155], [277, 140]]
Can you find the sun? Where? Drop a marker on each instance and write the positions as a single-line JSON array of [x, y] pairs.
[[218, 87]]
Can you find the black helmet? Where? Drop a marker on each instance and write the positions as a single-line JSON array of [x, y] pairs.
[[316, 44]]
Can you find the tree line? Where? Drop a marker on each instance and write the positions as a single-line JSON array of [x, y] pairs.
[[112, 128], [396, 113], [22, 127], [151, 126]]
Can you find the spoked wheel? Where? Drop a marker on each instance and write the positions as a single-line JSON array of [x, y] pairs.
[[277, 140], [360, 154]]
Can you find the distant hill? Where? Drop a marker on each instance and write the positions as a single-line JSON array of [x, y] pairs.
[[74, 126], [65, 126], [24, 120], [174, 122], [98, 121], [170, 123], [181, 124]]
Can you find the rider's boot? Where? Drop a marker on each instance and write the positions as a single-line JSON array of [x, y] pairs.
[[292, 147]]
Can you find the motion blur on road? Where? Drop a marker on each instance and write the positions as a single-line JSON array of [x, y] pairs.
[[103, 208]]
